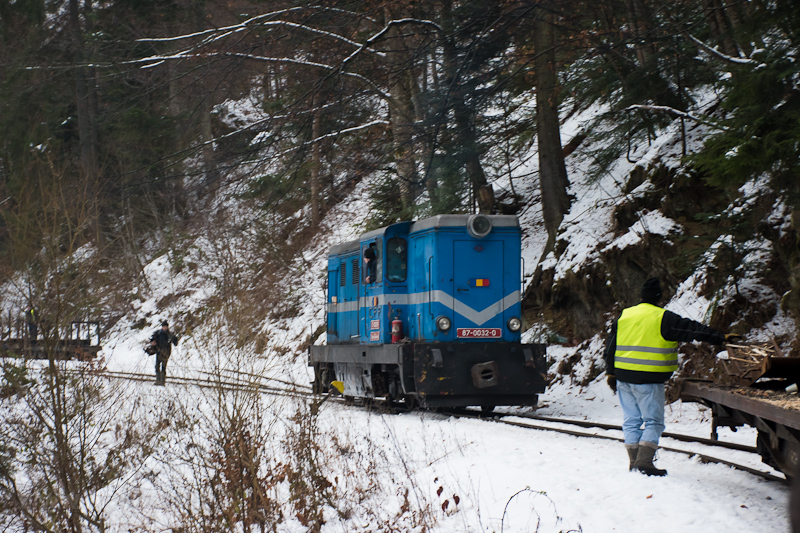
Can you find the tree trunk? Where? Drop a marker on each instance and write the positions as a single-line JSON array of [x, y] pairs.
[[736, 20], [428, 141], [470, 156], [641, 30], [402, 136], [86, 103], [553, 179], [207, 133], [720, 27], [316, 160], [401, 116], [468, 148]]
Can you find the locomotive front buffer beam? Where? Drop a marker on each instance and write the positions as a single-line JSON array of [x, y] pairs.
[[431, 375]]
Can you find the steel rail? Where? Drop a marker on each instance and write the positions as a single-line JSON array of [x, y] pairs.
[[675, 436], [703, 457], [207, 383], [257, 376]]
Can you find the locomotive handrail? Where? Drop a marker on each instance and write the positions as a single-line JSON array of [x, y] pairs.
[[430, 286]]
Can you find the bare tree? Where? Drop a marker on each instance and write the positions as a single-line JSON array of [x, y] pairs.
[[553, 179], [71, 439]]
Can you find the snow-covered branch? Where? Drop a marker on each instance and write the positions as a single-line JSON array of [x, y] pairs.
[[724, 57], [220, 33], [349, 130], [338, 68], [243, 25], [381, 33], [262, 136], [676, 112], [214, 31]]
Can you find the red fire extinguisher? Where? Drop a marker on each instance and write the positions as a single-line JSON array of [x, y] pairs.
[[397, 330]]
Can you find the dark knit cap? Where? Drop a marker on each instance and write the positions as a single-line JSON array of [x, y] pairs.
[[369, 253], [651, 291], [165, 323]]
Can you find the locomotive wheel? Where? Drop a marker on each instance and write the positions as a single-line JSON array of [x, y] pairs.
[[393, 392], [320, 385], [411, 402]]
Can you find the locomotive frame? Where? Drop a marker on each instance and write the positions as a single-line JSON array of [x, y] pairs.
[[438, 323]]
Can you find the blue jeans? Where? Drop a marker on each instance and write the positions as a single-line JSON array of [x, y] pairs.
[[641, 404]]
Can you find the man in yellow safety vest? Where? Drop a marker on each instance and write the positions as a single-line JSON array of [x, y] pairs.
[[641, 355]]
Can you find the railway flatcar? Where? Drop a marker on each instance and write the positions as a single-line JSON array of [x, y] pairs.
[[80, 341], [749, 387], [429, 313]]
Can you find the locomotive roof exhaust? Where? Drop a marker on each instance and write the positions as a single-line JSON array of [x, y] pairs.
[[479, 226]]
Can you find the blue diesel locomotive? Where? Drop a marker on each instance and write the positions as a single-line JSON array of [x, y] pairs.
[[429, 312]]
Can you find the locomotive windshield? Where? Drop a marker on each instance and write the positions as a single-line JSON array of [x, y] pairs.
[[396, 259]]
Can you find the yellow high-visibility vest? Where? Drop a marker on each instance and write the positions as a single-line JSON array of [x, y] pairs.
[[640, 345]]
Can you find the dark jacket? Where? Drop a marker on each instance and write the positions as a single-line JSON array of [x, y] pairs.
[[164, 341], [371, 271], [673, 328]]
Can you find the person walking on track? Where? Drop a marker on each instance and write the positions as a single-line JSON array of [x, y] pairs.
[[32, 321], [162, 341], [641, 355]]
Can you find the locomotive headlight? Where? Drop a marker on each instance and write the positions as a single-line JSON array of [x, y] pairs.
[[443, 323], [479, 226], [514, 324]]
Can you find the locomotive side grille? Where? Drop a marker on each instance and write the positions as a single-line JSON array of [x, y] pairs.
[[355, 271], [343, 276]]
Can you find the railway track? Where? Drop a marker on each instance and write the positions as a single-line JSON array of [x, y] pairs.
[[255, 383], [675, 436], [252, 383], [500, 418]]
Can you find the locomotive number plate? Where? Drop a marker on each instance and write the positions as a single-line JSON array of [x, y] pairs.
[[479, 333]]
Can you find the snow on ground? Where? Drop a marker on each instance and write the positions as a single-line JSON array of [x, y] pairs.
[[513, 479], [510, 479]]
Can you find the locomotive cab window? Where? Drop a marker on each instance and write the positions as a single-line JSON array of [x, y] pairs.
[[372, 263], [396, 259]]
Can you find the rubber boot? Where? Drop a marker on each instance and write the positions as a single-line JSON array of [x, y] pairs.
[[644, 460], [633, 451]]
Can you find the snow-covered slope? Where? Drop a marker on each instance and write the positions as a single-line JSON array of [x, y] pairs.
[[416, 465]]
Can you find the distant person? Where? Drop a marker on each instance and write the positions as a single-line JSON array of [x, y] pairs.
[[641, 355], [370, 264], [163, 340], [32, 320]]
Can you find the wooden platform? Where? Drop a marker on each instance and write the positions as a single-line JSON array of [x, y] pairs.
[[81, 340], [62, 349]]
